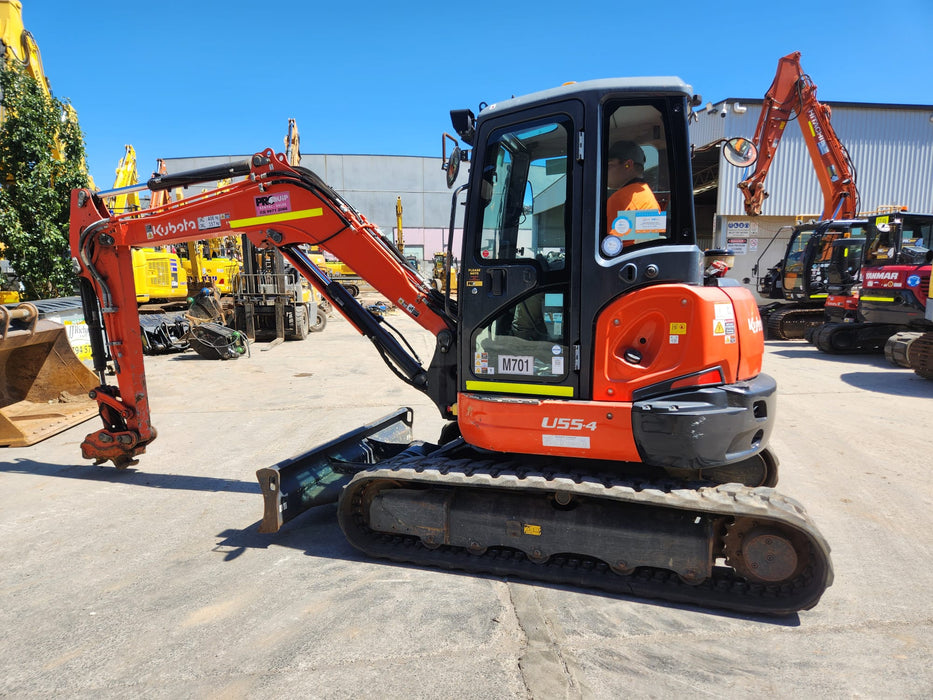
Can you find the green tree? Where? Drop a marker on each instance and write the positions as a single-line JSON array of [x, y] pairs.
[[35, 185]]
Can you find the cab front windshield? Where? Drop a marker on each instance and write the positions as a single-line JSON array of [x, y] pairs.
[[526, 197]]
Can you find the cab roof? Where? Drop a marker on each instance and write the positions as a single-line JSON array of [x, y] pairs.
[[652, 86]]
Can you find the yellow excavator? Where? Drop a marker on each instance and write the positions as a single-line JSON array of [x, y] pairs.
[[157, 273], [43, 386]]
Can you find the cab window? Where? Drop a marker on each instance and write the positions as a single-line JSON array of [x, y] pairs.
[[636, 179]]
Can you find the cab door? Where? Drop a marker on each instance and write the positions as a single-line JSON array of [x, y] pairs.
[[518, 336]]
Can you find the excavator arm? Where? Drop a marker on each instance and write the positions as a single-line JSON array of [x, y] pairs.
[[792, 95], [276, 205]]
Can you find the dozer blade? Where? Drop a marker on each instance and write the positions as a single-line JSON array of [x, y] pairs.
[[43, 385], [317, 477]]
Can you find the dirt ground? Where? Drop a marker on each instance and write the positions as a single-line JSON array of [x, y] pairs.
[[154, 582]]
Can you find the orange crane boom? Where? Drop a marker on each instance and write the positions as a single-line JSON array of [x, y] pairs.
[[792, 95]]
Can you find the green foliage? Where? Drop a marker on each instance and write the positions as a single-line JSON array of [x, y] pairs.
[[35, 185]]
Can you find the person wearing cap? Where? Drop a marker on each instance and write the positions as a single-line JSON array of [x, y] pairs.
[[626, 169]]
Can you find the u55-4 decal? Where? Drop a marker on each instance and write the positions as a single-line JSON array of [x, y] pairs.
[[567, 424]]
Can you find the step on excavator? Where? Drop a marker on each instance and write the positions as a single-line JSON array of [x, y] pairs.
[[608, 418]]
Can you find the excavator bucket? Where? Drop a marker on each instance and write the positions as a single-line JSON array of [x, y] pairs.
[[43, 385]]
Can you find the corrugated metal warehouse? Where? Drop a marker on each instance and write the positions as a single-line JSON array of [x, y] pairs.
[[891, 147]]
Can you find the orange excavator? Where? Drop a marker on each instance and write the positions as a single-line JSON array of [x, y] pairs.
[[792, 96], [609, 420], [801, 276]]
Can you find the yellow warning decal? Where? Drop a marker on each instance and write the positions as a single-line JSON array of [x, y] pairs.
[[273, 218], [678, 329], [532, 530], [509, 388]]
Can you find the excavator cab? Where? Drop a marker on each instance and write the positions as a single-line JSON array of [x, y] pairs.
[[581, 280], [807, 260], [543, 253]]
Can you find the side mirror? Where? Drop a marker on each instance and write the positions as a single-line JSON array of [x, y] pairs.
[[740, 152], [450, 165]]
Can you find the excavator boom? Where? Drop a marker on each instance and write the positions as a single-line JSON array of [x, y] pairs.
[[792, 96]]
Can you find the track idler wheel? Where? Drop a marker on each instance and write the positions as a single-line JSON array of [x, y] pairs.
[[763, 552], [759, 470]]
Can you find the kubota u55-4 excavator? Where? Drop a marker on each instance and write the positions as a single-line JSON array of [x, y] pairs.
[[609, 418]]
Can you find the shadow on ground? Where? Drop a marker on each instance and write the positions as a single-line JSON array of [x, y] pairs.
[[129, 477], [317, 534]]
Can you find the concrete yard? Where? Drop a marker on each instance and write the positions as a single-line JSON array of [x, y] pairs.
[[154, 582]]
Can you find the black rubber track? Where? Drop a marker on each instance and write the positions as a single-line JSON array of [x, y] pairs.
[[725, 589]]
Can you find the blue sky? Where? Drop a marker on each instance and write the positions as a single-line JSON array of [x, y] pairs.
[[210, 77]]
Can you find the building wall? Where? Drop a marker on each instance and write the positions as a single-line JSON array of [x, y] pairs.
[[372, 184], [891, 147]]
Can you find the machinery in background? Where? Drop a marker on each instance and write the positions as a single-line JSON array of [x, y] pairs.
[[44, 387], [159, 276], [885, 311], [444, 273], [9, 284], [573, 373], [270, 300], [344, 275], [803, 277], [792, 96]]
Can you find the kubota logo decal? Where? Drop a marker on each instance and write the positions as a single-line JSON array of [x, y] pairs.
[[170, 229]]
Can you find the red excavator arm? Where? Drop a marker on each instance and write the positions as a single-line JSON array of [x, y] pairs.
[[793, 95], [276, 205]]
